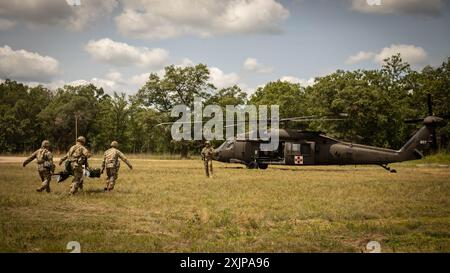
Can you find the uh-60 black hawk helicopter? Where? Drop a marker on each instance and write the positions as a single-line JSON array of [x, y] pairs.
[[304, 148], [297, 147]]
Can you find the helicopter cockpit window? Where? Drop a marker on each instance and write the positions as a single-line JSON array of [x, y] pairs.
[[226, 144], [296, 147], [229, 145]]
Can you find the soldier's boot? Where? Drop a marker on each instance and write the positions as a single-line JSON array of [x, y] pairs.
[[73, 189], [45, 186], [111, 185], [42, 187]]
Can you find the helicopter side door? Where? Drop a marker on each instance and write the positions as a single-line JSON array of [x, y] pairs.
[[299, 153]]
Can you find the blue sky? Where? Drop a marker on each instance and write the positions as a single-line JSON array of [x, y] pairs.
[[115, 44]]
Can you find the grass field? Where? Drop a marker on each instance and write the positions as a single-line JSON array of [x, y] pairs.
[[169, 206]]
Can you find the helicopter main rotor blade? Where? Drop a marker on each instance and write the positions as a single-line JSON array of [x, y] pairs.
[[319, 119], [413, 120], [294, 119], [172, 122]]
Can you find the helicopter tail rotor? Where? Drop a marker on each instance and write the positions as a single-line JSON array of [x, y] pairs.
[[431, 121]]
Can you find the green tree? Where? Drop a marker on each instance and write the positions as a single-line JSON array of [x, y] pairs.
[[58, 118], [20, 130], [228, 96], [374, 113], [179, 86], [289, 96], [435, 82]]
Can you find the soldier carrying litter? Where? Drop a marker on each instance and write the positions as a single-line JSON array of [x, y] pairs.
[[45, 164], [77, 157], [112, 164], [207, 155]]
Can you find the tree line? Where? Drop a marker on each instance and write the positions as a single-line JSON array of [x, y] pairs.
[[376, 103]]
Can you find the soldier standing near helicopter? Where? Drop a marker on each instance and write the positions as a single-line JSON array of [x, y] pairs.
[[207, 156]]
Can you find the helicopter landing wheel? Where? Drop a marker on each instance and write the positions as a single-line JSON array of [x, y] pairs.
[[385, 166], [252, 165], [263, 166]]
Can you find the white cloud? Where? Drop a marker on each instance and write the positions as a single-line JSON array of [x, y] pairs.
[[154, 19], [414, 55], [139, 80], [253, 65], [413, 7], [114, 76], [360, 57], [116, 81], [185, 62], [217, 76], [411, 54], [222, 80], [107, 85], [302, 82], [52, 12], [249, 90], [23, 65], [113, 81], [6, 24], [122, 54]]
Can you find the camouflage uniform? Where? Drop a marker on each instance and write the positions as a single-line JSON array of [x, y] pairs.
[[77, 156], [207, 154], [112, 164], [45, 164]]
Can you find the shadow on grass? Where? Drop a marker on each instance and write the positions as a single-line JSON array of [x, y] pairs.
[[323, 170], [99, 190]]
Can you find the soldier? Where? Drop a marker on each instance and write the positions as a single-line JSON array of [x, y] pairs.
[[77, 156], [207, 154], [112, 164], [45, 164]]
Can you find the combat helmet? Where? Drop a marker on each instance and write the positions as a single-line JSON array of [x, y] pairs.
[[45, 144], [81, 139], [115, 144]]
